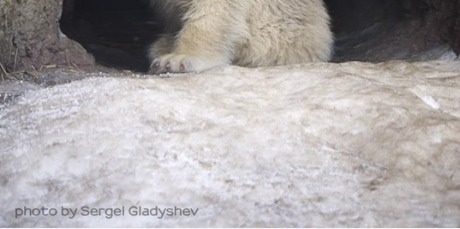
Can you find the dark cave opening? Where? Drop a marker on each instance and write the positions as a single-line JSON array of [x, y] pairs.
[[118, 33]]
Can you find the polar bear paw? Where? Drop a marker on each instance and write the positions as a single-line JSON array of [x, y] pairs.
[[181, 63]]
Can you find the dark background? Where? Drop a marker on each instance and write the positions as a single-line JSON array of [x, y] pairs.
[[118, 32]]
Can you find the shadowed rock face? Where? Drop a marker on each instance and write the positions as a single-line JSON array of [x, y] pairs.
[[373, 30], [117, 32]]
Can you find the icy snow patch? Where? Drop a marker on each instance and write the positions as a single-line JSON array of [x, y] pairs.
[[322, 145]]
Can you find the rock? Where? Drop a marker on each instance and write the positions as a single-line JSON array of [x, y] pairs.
[[316, 145], [30, 37]]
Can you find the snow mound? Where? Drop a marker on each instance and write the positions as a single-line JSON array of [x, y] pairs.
[[316, 145]]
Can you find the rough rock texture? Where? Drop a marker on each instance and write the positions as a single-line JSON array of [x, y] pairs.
[[30, 37], [324, 145]]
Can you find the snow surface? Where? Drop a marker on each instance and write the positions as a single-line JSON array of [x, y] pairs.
[[322, 145]]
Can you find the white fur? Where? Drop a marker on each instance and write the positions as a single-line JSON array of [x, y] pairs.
[[202, 34]]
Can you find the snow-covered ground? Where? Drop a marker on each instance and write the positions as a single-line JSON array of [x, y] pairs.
[[323, 145]]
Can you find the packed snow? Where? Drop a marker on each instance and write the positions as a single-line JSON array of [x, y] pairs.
[[315, 145]]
